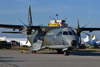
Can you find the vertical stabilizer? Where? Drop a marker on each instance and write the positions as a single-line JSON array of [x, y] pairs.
[[29, 16]]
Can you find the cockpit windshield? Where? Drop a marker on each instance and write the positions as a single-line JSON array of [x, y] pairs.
[[70, 33], [65, 33]]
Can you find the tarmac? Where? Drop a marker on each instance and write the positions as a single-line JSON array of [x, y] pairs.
[[14, 58]]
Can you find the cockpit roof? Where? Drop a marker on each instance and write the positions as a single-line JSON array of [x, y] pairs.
[[66, 31]]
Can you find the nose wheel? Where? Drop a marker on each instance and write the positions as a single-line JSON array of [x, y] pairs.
[[66, 53]]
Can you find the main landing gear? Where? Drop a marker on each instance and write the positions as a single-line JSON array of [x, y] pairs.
[[66, 53], [59, 51]]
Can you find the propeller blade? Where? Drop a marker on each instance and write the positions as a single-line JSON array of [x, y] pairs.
[[85, 25], [29, 17], [78, 23], [22, 22], [86, 33], [80, 40], [26, 41], [78, 30]]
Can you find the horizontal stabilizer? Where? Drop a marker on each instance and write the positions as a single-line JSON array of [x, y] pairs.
[[12, 32]]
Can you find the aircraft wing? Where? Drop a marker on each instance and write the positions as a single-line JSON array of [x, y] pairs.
[[11, 26], [12, 32], [89, 29], [44, 28], [17, 26]]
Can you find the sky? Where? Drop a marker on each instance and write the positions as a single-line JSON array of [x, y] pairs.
[[84, 10]]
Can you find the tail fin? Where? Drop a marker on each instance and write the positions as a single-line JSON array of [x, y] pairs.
[[29, 16]]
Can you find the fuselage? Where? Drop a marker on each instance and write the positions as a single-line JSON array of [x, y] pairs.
[[61, 38]]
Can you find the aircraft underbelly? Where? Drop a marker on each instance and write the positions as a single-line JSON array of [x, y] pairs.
[[56, 47]]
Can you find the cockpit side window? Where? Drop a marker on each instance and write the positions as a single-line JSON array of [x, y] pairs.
[[59, 34], [65, 33], [73, 32], [70, 33]]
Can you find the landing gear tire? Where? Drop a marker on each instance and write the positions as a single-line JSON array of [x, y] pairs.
[[32, 52], [66, 53]]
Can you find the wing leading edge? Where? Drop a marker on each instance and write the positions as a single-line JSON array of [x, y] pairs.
[[20, 27], [44, 28], [11, 26], [89, 29]]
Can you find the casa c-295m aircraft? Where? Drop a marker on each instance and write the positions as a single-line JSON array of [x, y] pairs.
[[62, 39]]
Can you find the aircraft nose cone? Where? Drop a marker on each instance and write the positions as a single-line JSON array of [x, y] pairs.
[[73, 43]]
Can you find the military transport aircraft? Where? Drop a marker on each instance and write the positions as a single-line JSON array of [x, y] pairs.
[[45, 37]]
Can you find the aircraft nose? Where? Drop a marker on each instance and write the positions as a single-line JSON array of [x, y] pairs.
[[73, 42]]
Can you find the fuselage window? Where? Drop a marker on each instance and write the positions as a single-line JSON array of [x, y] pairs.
[[70, 33], [65, 33], [59, 34]]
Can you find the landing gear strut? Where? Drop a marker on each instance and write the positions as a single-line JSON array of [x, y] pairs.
[[66, 53]]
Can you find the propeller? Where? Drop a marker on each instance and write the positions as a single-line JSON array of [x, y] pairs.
[[22, 23], [86, 33], [29, 29], [79, 31]]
